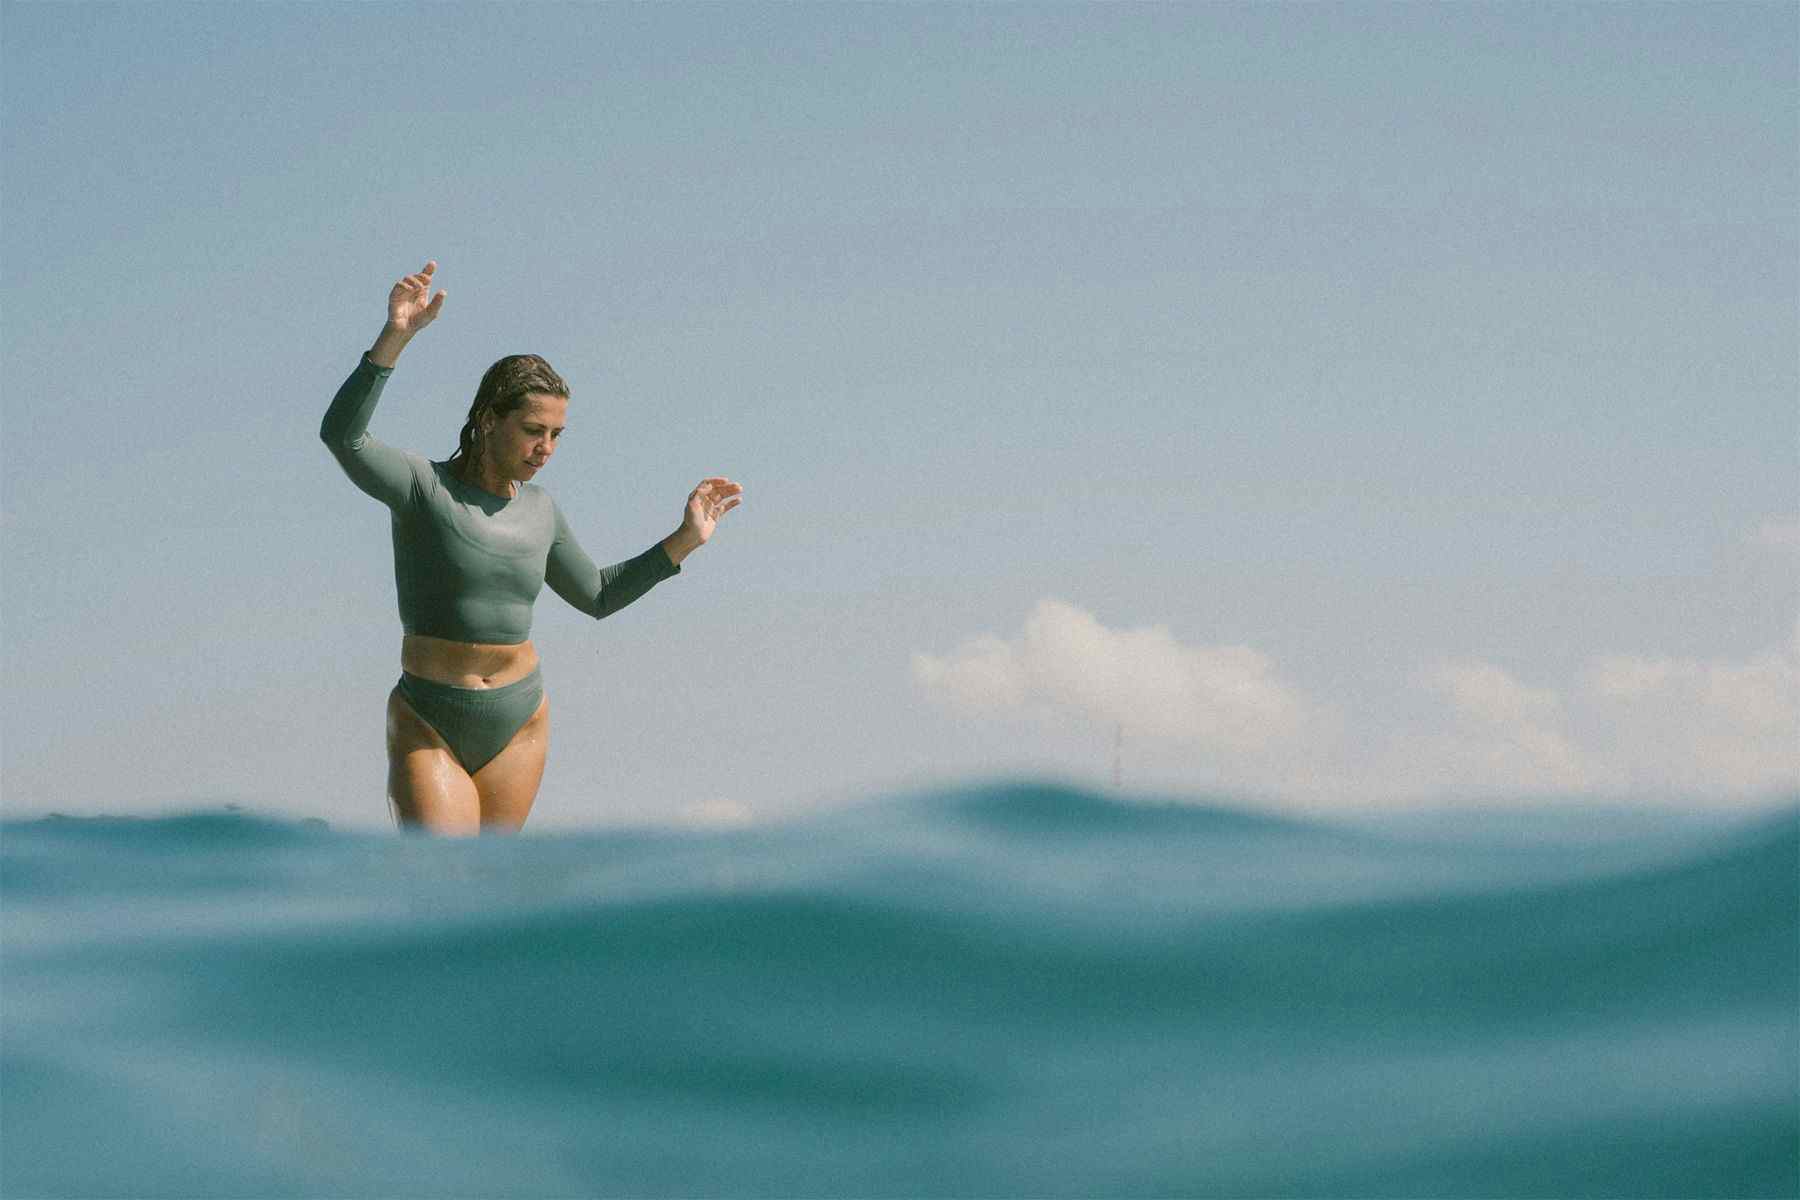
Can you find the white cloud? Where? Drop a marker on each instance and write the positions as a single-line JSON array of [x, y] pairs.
[[1066, 660], [1626, 679], [983, 676], [1778, 533], [1486, 694], [1504, 735], [1625, 725], [1698, 724]]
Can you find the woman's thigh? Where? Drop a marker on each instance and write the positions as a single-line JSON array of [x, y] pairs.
[[428, 787], [508, 783]]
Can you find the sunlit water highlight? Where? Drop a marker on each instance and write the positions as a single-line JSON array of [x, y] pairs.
[[1007, 990]]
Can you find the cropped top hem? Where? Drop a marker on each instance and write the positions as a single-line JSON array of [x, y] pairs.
[[472, 637]]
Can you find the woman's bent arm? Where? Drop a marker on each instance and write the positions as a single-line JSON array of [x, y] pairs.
[[601, 591]]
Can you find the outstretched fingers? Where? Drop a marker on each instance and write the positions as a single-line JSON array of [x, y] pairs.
[[415, 291], [714, 496], [721, 494], [718, 485]]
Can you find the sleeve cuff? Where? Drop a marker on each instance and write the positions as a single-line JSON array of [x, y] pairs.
[[369, 364]]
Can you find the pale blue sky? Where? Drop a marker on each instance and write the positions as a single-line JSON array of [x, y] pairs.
[[1402, 345]]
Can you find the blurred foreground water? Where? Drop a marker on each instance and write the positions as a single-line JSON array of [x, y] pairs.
[[1010, 990]]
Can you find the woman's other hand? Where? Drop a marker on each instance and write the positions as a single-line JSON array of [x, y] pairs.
[[707, 503], [712, 499]]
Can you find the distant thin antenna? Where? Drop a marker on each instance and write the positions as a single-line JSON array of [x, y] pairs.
[[1118, 748]]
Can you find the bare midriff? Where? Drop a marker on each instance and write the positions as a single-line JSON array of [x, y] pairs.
[[466, 664]]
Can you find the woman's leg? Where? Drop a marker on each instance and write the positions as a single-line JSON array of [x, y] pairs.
[[428, 788], [508, 783]]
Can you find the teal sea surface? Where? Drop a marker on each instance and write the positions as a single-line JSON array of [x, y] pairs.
[[1011, 989]]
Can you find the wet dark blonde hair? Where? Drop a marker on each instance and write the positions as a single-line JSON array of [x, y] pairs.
[[503, 390]]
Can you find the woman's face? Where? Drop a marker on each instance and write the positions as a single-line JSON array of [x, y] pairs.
[[520, 443]]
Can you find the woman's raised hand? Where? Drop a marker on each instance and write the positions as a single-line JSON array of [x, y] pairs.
[[408, 310]]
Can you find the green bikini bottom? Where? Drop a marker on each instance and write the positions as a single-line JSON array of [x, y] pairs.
[[476, 722]]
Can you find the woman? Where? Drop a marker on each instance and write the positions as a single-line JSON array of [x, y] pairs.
[[468, 725]]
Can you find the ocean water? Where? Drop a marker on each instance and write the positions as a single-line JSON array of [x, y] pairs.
[[1013, 989]]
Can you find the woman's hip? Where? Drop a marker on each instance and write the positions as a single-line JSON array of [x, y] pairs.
[[476, 723]]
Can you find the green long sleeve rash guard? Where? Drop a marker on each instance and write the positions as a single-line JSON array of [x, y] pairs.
[[468, 564]]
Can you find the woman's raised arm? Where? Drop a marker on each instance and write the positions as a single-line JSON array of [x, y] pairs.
[[379, 470]]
